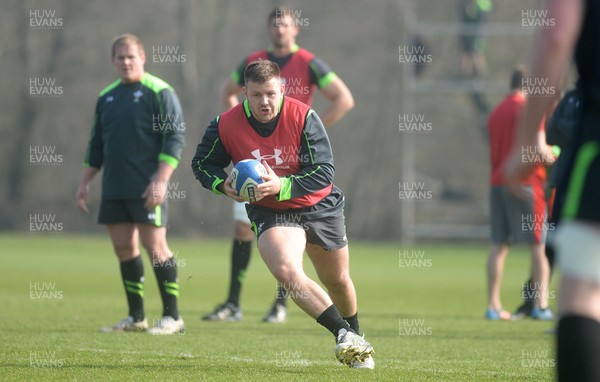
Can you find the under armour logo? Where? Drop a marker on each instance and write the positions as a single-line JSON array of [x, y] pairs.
[[109, 99], [277, 156], [151, 216]]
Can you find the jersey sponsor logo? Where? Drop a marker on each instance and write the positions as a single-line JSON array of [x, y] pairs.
[[136, 96], [283, 156], [276, 155]]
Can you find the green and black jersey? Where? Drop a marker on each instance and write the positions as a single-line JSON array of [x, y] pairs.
[[135, 126]]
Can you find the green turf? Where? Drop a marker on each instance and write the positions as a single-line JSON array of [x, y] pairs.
[[425, 321]]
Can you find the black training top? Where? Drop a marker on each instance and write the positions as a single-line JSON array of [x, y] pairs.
[[135, 126]]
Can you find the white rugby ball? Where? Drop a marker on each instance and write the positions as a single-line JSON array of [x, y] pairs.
[[245, 176]]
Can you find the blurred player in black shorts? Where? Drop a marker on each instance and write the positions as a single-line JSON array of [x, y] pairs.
[[138, 152], [560, 129], [473, 14], [577, 240]]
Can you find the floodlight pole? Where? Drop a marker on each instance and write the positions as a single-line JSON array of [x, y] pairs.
[[407, 141]]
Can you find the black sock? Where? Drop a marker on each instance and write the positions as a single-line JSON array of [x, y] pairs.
[[333, 321], [132, 273], [353, 322], [578, 349], [240, 258], [166, 276], [281, 295]]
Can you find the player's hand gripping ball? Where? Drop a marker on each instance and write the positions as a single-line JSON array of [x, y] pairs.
[[245, 176]]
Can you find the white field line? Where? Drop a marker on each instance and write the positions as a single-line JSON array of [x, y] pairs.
[[288, 362], [394, 364]]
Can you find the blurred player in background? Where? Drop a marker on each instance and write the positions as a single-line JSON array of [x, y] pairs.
[[298, 208], [138, 157], [302, 72], [473, 14], [514, 220], [559, 133], [578, 236]]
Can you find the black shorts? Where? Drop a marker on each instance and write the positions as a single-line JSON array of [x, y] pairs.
[[328, 232], [472, 44], [583, 192], [132, 211]]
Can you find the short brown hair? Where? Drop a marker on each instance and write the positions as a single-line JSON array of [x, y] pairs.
[[516, 79], [260, 71], [125, 38]]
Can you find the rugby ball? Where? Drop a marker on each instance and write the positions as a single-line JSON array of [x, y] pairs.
[[245, 176]]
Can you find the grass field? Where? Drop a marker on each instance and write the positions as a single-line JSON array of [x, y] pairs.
[[424, 317]]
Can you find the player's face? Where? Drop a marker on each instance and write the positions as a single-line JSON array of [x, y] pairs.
[[129, 62], [283, 31], [264, 98]]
